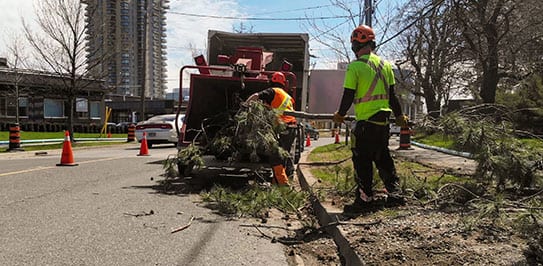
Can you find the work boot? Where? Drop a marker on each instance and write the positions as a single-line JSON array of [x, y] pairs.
[[360, 206], [394, 199]]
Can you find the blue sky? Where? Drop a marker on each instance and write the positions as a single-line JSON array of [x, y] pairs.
[[187, 34]]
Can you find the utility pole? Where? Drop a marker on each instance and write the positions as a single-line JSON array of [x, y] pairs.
[[368, 12], [144, 66]]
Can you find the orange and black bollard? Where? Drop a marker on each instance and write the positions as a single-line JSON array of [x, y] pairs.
[[405, 138], [131, 133], [14, 138]]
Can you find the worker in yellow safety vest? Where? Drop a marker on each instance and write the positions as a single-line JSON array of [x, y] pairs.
[[369, 84], [278, 99]]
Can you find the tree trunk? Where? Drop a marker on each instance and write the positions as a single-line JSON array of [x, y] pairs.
[[490, 67], [432, 106], [489, 83]]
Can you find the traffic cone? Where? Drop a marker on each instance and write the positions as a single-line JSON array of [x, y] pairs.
[[109, 134], [67, 158], [144, 150], [337, 137], [308, 141]]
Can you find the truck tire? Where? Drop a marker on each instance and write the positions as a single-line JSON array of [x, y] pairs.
[[184, 169]]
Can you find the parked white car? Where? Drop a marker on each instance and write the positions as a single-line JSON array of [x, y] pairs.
[[159, 129], [394, 129]]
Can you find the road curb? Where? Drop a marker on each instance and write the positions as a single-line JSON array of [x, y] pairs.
[[348, 254], [466, 155]]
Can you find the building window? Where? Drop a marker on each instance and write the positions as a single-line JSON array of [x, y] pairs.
[[82, 107], [53, 108], [94, 110], [23, 106], [8, 108]]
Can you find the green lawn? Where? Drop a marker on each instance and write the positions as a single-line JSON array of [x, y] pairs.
[[25, 135], [445, 141], [436, 140], [4, 135]]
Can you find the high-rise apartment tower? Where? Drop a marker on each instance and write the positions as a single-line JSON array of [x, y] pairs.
[[127, 38]]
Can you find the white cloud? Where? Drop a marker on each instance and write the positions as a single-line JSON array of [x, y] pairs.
[[10, 19], [186, 32]]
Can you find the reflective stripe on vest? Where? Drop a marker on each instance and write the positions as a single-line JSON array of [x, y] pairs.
[[378, 76], [283, 101]]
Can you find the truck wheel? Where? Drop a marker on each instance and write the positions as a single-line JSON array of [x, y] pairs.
[[184, 169]]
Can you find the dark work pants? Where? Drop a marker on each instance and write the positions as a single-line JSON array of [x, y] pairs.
[[286, 138], [371, 146]]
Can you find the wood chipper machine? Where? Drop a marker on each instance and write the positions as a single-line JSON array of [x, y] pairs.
[[216, 93]]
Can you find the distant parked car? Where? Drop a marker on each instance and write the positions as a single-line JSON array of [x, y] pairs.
[[124, 124], [394, 129], [313, 133], [159, 129]]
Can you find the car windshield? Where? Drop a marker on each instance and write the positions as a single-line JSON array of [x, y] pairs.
[[163, 118]]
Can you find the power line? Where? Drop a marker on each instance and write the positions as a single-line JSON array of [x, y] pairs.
[[331, 29], [300, 9], [255, 18], [292, 10], [434, 6]]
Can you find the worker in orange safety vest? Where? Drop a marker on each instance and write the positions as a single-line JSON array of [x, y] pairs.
[[278, 99]]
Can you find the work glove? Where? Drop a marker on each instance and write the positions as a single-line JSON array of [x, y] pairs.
[[338, 119], [402, 121]]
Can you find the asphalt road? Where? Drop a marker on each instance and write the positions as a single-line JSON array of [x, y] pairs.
[[88, 215]]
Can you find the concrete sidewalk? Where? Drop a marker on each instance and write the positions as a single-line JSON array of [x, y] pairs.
[[327, 214], [434, 158]]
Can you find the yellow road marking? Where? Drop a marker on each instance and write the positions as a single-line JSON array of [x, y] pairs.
[[51, 167], [27, 170]]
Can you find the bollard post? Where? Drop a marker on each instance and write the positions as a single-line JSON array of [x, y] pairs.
[[405, 138], [14, 138], [131, 133]]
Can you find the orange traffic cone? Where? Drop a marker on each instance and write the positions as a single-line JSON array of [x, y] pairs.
[[337, 137], [109, 134], [308, 141], [144, 150], [67, 158]]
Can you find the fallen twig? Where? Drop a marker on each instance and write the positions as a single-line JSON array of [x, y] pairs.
[[266, 226], [349, 223], [280, 240], [151, 212], [531, 196], [262, 233], [184, 226], [326, 162]]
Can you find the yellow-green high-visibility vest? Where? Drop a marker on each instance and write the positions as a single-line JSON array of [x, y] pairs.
[[371, 78]]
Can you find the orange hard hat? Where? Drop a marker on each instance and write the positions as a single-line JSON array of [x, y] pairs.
[[278, 77], [362, 34]]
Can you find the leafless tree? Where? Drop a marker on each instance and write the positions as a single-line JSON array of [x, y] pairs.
[[61, 46], [17, 60], [485, 25], [243, 28], [334, 35], [522, 50], [431, 49]]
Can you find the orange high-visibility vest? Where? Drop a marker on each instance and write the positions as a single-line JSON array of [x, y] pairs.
[[283, 101]]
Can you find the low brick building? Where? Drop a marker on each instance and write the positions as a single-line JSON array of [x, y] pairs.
[[43, 104]]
